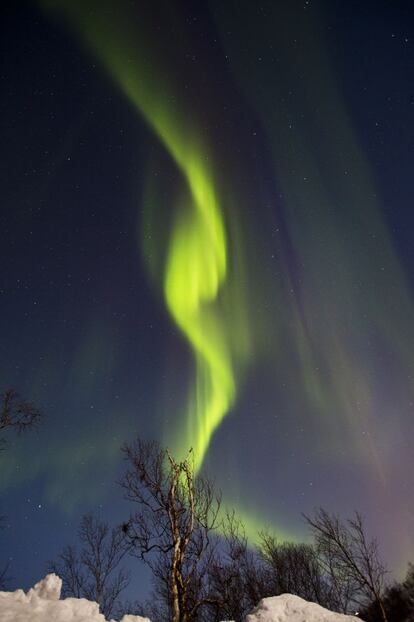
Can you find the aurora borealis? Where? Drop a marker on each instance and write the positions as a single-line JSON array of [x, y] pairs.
[[207, 233], [195, 269]]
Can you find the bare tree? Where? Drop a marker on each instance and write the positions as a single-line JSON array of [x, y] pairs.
[[237, 578], [350, 560], [398, 601], [16, 414], [93, 571], [409, 586], [294, 568], [173, 528]]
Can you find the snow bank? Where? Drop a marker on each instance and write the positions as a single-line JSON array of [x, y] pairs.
[[42, 604], [289, 608]]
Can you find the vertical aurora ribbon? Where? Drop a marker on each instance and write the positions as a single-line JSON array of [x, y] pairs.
[[195, 275]]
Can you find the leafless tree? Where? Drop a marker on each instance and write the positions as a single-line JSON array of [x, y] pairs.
[[16, 414], [93, 571], [173, 528], [294, 568], [397, 603], [237, 578], [409, 586], [350, 560], [242, 576]]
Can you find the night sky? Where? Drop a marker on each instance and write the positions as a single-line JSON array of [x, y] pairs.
[[206, 239]]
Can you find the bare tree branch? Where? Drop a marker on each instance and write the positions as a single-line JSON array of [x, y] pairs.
[[173, 529], [16, 413], [92, 572], [351, 561]]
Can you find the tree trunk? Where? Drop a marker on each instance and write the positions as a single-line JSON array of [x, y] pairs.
[[383, 612], [176, 613]]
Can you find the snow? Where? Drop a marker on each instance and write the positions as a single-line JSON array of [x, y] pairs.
[[42, 604], [289, 608]]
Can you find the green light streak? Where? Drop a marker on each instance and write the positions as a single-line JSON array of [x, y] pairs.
[[203, 278], [196, 266]]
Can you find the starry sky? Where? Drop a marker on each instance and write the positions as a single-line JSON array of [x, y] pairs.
[[206, 233]]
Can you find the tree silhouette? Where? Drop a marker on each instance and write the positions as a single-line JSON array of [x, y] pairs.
[[173, 528]]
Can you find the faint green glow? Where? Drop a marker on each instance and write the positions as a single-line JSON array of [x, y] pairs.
[[74, 461], [255, 523], [346, 304]]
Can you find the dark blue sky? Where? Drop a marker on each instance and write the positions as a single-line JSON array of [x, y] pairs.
[[309, 109]]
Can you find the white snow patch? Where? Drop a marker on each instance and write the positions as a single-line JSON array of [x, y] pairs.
[[289, 608], [42, 604]]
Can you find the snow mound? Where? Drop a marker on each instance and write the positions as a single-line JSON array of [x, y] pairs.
[[48, 588], [42, 604], [289, 608]]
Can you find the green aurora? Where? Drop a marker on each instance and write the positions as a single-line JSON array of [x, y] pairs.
[[203, 276], [343, 251]]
